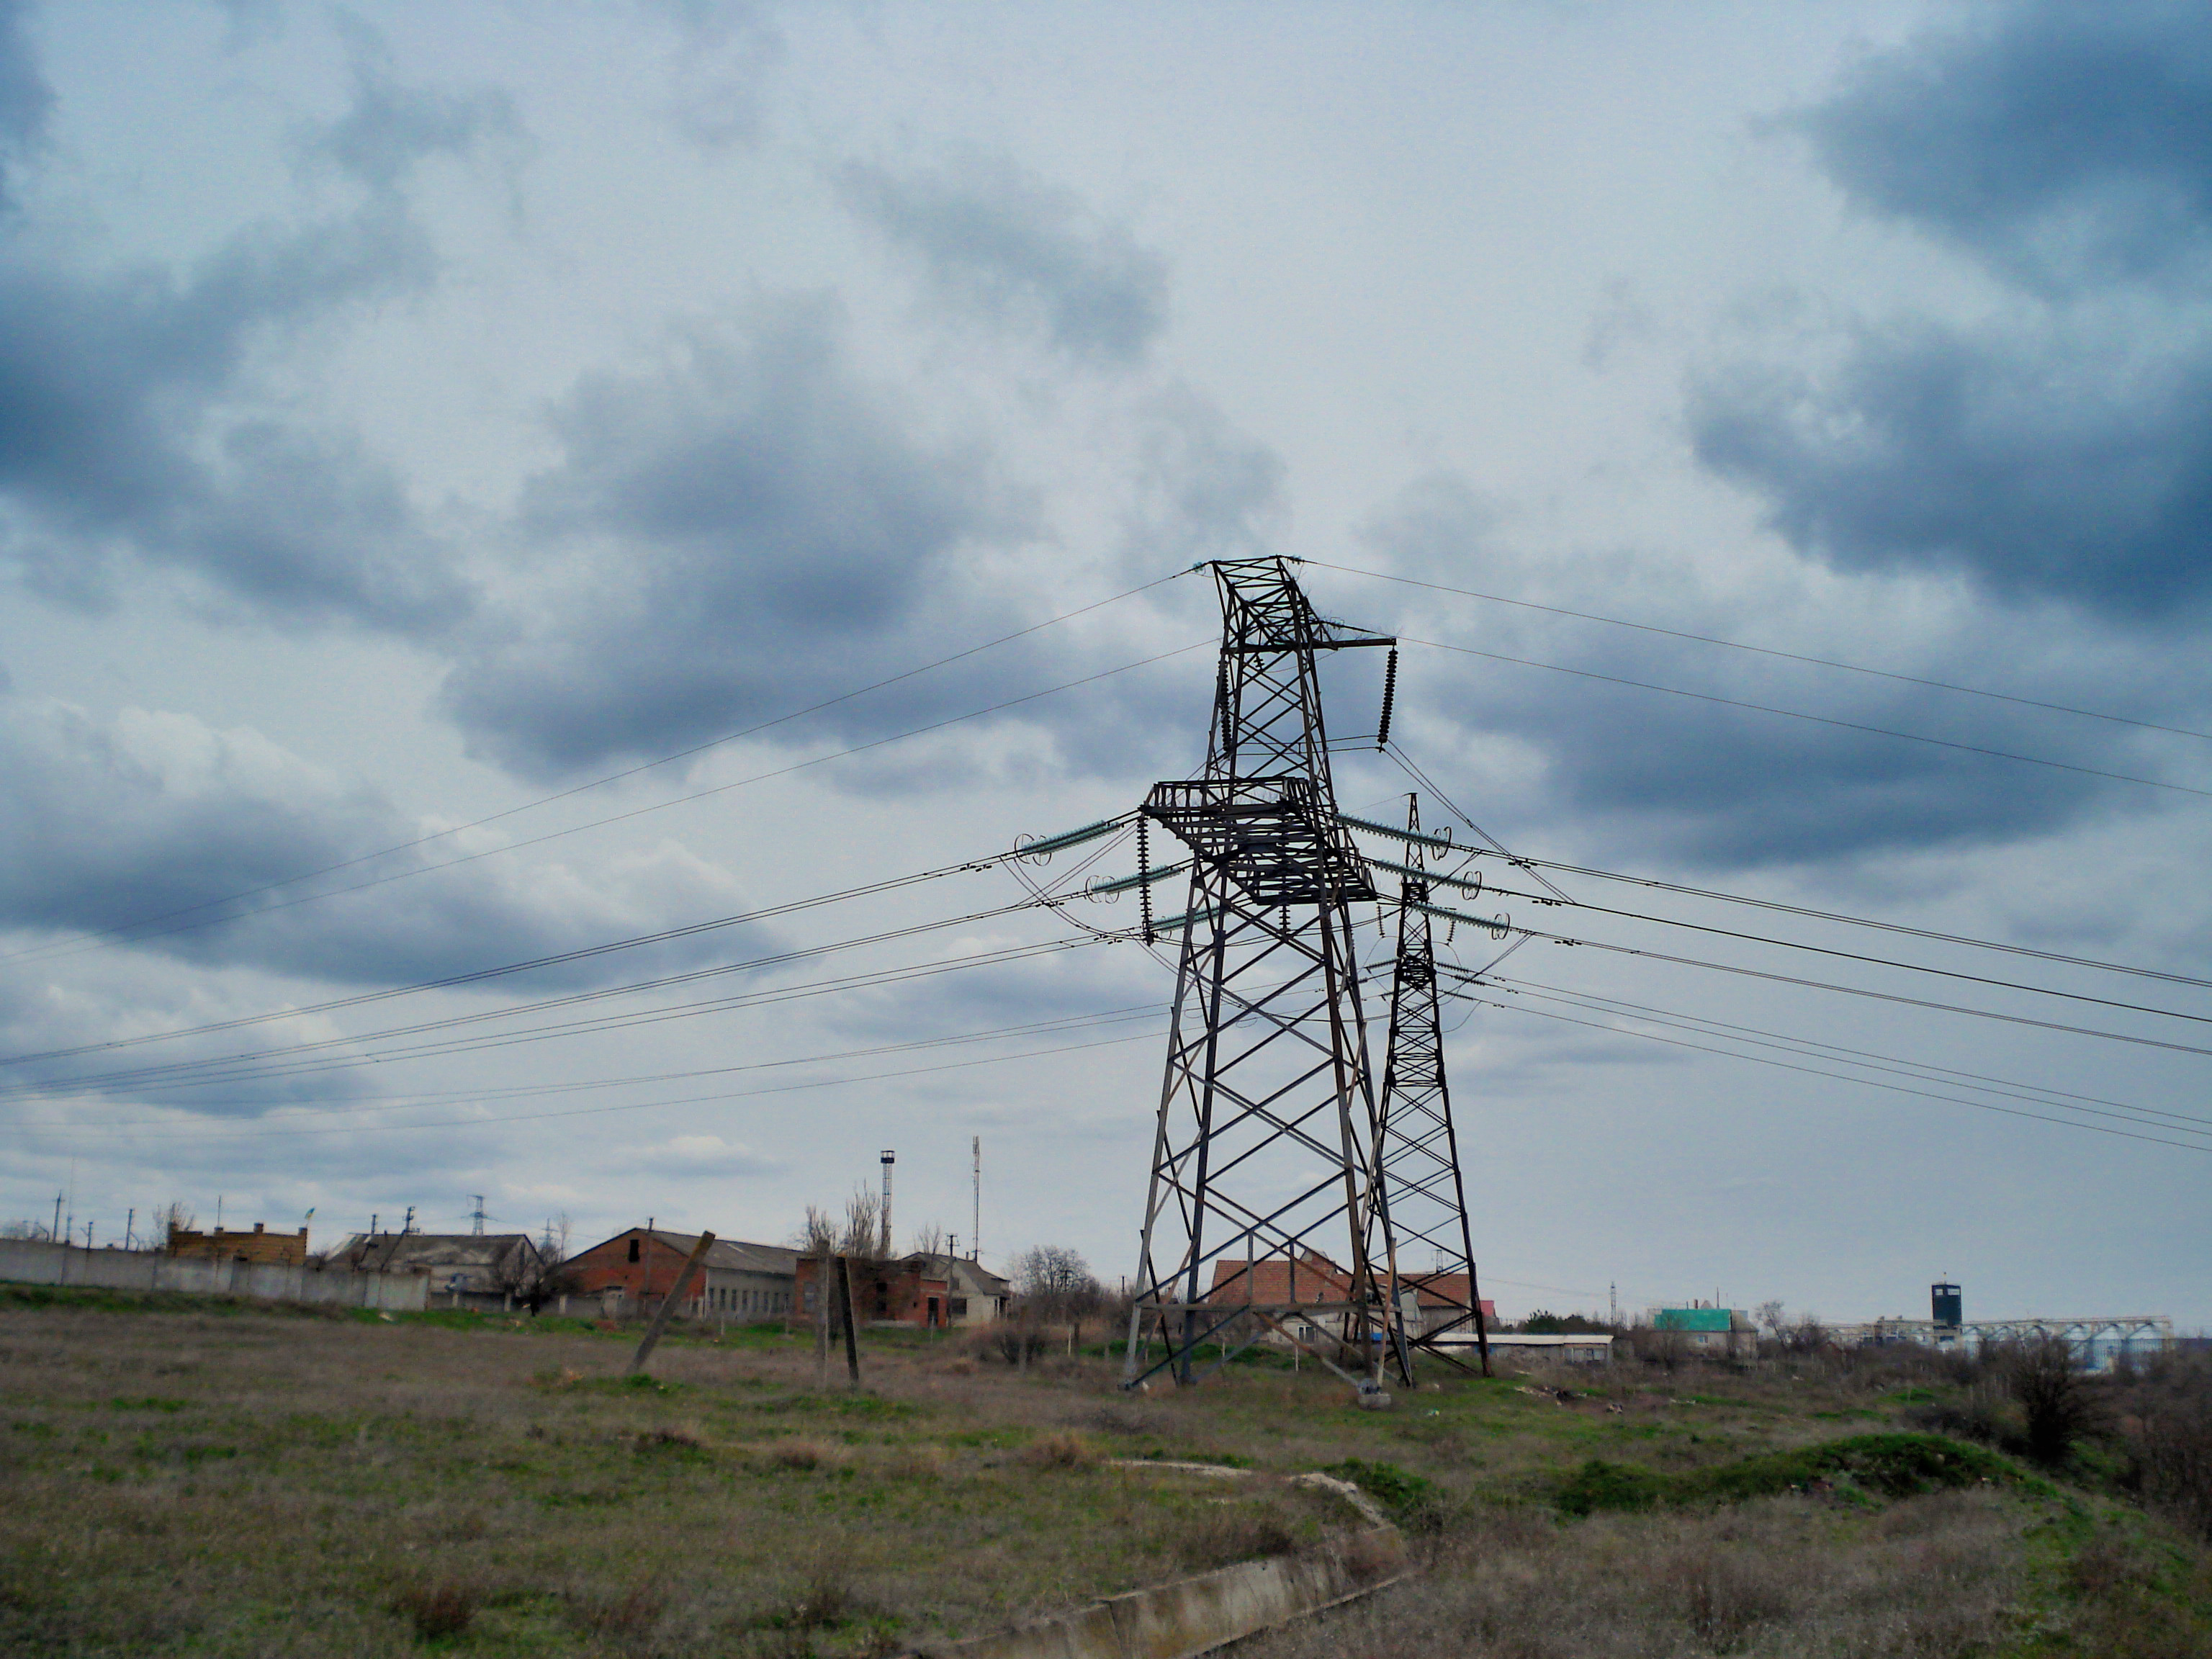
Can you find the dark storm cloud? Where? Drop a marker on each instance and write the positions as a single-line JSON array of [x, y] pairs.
[[1721, 785], [1006, 247], [2060, 451], [108, 823], [756, 529], [2066, 143], [128, 429], [2044, 463], [25, 97], [113, 448]]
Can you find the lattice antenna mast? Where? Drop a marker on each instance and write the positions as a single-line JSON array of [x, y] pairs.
[[1262, 1213], [1419, 1161]]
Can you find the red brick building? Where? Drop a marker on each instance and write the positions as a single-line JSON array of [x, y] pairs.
[[632, 1272], [931, 1291], [1314, 1279]]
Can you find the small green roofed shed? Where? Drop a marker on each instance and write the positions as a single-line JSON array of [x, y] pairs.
[[1692, 1319]]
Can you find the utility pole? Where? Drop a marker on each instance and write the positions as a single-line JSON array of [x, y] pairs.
[[130, 1216], [975, 1232], [1265, 1143], [55, 1233], [1421, 1191], [889, 1158]]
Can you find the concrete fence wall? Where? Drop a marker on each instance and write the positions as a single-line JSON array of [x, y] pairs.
[[35, 1261]]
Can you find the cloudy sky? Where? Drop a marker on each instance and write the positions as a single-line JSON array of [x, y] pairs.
[[475, 483]]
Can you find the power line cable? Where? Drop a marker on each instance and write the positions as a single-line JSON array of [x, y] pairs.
[[44, 952], [256, 1067], [1817, 720], [534, 1092], [649, 1105], [1853, 955], [1524, 861], [479, 976], [824, 987], [1814, 985], [1814, 1071], [1769, 651], [2145, 1117], [115, 935], [1613, 1004]]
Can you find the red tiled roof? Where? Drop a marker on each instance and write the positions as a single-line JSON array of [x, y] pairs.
[[1271, 1283]]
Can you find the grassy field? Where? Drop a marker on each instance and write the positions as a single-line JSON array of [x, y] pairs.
[[208, 1480]]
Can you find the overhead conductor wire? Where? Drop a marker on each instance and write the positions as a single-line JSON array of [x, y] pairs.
[[125, 933]]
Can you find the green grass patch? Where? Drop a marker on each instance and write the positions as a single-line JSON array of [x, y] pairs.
[[1884, 1465], [1414, 1502]]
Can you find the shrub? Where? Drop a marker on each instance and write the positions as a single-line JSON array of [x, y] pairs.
[[626, 1621], [1413, 1501], [439, 1609], [1725, 1596], [1233, 1532], [1060, 1449], [2054, 1396], [1892, 1465], [804, 1454]]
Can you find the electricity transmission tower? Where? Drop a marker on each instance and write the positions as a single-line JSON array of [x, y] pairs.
[[1264, 1162], [1419, 1162]]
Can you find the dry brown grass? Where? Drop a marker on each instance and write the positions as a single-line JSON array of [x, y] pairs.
[[801, 1453], [1931, 1578], [255, 1484], [1062, 1448], [439, 1609]]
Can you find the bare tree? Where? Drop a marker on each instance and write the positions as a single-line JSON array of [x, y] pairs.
[[929, 1240], [1769, 1317], [1056, 1285], [862, 1238], [535, 1276], [174, 1217]]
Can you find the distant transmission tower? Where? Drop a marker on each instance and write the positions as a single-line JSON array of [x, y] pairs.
[[1264, 1160], [1419, 1164]]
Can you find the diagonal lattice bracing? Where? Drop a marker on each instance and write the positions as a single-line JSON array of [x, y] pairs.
[[1263, 1212], [1419, 1164]]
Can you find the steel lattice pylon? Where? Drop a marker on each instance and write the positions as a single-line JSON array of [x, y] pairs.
[[1419, 1160], [1265, 1156]]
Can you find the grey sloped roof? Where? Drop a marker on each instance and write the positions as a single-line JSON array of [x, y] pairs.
[[398, 1252], [736, 1256], [728, 1254], [969, 1277]]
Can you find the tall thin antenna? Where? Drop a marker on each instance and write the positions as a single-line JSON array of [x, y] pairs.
[[1266, 1147], [976, 1231], [889, 1158]]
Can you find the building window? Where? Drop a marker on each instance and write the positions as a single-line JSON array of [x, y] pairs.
[[959, 1306], [633, 1249]]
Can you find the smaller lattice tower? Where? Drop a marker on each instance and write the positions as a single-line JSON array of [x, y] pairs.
[[1440, 1302]]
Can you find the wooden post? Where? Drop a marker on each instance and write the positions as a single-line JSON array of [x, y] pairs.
[[822, 1320], [851, 1338], [668, 1303]]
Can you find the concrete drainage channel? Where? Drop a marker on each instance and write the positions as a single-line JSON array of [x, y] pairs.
[[1196, 1615]]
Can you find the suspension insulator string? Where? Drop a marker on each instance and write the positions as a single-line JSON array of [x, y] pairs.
[[1390, 697], [1143, 881]]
